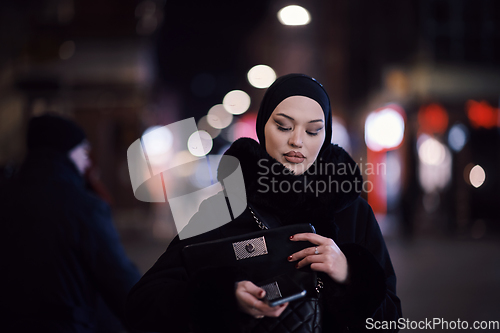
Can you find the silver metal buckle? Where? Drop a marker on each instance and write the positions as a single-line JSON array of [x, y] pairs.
[[250, 248], [272, 291]]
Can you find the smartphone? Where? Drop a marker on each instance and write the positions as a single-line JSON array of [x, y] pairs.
[[281, 290]]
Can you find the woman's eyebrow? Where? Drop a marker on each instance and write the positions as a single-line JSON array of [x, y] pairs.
[[312, 121]]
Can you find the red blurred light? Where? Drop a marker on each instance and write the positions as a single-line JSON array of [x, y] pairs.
[[433, 118], [245, 126], [482, 114]]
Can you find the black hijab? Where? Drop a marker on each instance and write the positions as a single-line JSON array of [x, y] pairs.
[[294, 85], [254, 160]]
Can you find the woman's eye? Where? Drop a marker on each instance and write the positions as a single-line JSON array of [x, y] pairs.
[[316, 132], [283, 129]]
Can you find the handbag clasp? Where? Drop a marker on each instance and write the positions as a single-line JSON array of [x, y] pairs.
[[250, 248]]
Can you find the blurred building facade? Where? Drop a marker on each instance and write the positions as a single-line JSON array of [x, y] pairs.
[[119, 67]]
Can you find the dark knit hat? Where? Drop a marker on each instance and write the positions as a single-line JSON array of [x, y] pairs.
[[53, 131]]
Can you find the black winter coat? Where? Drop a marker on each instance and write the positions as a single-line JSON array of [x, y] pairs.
[[59, 251], [166, 300]]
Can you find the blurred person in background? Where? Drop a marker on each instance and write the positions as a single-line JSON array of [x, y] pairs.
[[61, 255]]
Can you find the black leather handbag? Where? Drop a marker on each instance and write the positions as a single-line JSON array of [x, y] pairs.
[[262, 257]]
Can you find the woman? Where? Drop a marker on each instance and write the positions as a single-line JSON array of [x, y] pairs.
[[295, 175]]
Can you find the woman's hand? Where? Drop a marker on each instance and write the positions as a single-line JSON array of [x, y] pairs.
[[325, 257], [249, 296]]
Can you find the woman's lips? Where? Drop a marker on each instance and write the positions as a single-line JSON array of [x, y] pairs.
[[294, 157]]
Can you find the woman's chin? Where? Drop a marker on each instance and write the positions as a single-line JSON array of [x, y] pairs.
[[296, 168]]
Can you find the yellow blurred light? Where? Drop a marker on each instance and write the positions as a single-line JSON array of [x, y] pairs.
[[205, 126], [236, 102], [67, 50], [218, 117], [200, 143], [477, 176], [261, 76], [294, 15]]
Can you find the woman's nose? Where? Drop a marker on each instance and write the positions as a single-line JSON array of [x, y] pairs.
[[295, 139]]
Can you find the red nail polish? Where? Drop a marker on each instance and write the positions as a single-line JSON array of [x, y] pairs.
[[297, 265], [291, 237], [290, 258]]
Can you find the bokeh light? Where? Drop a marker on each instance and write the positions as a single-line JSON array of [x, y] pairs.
[[294, 15], [145, 8], [241, 130], [433, 118], [67, 50], [393, 177], [477, 176], [202, 177], [146, 25], [431, 201], [434, 170], [482, 114], [236, 102], [65, 11], [384, 129], [340, 136], [205, 126], [244, 127], [218, 117], [148, 21], [261, 76], [430, 151], [200, 143], [183, 158], [457, 137], [157, 141]]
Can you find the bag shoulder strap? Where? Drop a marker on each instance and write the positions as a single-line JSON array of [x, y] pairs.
[[259, 222], [263, 218], [257, 215]]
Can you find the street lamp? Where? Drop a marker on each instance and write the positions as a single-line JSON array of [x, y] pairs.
[[294, 15]]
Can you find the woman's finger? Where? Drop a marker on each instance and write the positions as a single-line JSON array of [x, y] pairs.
[[249, 299], [325, 259], [309, 251], [311, 237], [332, 262], [254, 290]]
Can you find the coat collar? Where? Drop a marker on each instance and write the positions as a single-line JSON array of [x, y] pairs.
[[329, 186]]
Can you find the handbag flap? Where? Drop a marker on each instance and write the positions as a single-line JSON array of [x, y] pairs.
[[260, 255]]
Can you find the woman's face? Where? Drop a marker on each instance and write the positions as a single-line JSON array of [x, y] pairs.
[[80, 156], [295, 133]]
